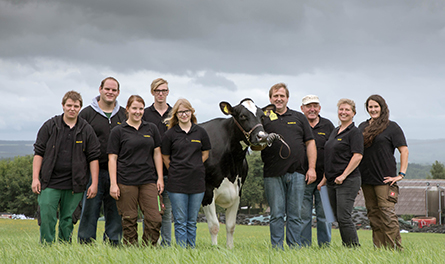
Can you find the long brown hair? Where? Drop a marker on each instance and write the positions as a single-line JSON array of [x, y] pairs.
[[172, 120], [378, 125]]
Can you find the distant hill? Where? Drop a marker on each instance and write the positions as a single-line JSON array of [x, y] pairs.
[[11, 148], [420, 151], [426, 151]]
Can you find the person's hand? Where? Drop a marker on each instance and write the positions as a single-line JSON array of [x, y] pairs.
[[92, 191], [392, 180], [35, 186], [340, 179], [320, 185], [311, 176], [160, 185], [115, 192]]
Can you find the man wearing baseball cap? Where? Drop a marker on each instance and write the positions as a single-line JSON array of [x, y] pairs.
[[321, 129]]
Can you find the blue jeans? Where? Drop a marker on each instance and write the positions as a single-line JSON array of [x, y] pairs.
[[285, 197], [311, 194], [185, 208], [166, 228], [91, 212], [342, 198]]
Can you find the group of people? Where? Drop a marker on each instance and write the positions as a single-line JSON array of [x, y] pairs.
[[125, 157], [345, 159]]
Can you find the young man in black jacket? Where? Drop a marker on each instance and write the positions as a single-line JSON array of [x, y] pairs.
[[65, 147], [103, 114]]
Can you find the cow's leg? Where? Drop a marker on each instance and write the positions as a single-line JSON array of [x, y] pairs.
[[231, 213], [212, 221]]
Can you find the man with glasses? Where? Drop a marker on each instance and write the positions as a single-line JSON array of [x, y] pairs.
[[156, 114]]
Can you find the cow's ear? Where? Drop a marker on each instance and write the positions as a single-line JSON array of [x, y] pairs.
[[226, 108], [267, 109]]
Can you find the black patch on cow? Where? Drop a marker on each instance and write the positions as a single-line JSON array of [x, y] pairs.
[[227, 157]]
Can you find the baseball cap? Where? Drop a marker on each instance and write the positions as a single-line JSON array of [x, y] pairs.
[[309, 99]]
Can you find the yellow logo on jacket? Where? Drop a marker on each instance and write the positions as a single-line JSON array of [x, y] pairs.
[[291, 123], [321, 133], [146, 135], [196, 141], [79, 142], [338, 139]]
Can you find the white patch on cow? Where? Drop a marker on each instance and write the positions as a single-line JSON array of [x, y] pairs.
[[226, 196], [227, 192], [250, 106]]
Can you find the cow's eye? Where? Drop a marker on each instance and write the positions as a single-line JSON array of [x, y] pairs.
[[242, 117]]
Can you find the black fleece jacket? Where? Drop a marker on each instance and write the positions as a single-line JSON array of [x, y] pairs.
[[86, 149]]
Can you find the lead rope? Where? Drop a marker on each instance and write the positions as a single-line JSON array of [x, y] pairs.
[[246, 134], [272, 137]]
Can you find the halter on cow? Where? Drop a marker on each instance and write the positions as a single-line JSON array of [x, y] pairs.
[[226, 167]]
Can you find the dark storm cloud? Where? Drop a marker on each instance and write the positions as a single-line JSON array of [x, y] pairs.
[[279, 37], [223, 50]]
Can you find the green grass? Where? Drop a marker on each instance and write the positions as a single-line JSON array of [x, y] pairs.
[[19, 244]]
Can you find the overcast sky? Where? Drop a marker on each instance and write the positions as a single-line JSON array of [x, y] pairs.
[[212, 51]]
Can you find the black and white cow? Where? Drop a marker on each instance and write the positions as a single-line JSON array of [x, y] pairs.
[[226, 167]]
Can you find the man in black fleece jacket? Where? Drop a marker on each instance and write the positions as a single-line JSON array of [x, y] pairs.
[[65, 147]]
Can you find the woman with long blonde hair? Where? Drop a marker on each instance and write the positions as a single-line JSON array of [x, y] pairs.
[[185, 148]]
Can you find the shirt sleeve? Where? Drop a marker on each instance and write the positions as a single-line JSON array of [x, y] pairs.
[[356, 141], [205, 141], [398, 137], [156, 136], [113, 146], [42, 139]]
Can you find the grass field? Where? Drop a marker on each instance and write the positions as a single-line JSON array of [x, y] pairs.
[[19, 244]]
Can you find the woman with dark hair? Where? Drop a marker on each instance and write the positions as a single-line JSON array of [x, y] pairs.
[[135, 167], [185, 147], [343, 153], [379, 171]]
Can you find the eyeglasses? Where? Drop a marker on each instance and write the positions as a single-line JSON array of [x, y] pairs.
[[185, 112], [160, 91]]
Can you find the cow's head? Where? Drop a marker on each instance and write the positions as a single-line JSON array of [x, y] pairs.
[[248, 118]]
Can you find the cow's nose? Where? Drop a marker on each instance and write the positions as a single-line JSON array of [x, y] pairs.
[[262, 136]]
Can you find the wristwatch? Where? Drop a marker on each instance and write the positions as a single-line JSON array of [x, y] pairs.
[[402, 174]]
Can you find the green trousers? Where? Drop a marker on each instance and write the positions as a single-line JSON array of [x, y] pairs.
[[49, 201]]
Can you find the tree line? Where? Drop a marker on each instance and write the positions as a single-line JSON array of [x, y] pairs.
[[17, 197]]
